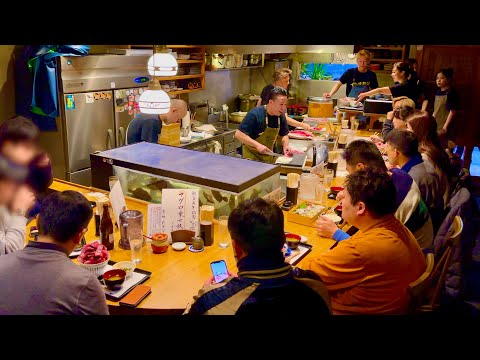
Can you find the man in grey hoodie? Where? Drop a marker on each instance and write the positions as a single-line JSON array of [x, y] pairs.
[[15, 200]]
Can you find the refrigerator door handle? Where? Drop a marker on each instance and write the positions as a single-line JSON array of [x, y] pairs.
[[122, 139], [110, 139]]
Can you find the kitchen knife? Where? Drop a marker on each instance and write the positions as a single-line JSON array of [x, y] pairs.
[[274, 154]]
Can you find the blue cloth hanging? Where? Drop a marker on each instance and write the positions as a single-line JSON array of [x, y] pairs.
[[41, 61]]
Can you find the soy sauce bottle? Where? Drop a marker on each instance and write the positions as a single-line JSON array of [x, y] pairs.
[[106, 228]]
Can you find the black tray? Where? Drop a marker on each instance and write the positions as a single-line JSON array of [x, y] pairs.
[[140, 271]]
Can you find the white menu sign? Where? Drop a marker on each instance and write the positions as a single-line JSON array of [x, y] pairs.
[[179, 210], [154, 218]]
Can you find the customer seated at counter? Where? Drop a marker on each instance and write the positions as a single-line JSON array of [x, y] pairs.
[[147, 127], [19, 143], [265, 285], [15, 201], [410, 208], [369, 273], [265, 127], [397, 118], [402, 150], [41, 279]]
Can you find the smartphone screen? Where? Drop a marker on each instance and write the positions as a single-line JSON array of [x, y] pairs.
[[219, 270]]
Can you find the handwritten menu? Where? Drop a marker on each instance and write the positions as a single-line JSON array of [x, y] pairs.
[[179, 210], [117, 200], [154, 219]]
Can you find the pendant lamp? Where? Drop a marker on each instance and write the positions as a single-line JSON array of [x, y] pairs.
[[154, 100]]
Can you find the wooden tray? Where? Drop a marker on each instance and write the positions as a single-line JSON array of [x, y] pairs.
[[303, 220]]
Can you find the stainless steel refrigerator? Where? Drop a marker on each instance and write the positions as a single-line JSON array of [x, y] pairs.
[[98, 97]]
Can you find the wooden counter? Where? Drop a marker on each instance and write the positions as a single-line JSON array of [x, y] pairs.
[[177, 276]]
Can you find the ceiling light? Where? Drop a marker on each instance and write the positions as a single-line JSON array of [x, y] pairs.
[[162, 63], [154, 100]]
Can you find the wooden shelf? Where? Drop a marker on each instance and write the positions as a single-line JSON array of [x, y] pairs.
[[239, 68], [189, 61], [185, 46], [184, 91], [396, 48], [179, 77], [385, 60]]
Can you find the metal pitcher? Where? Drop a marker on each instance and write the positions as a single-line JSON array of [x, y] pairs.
[[131, 227]]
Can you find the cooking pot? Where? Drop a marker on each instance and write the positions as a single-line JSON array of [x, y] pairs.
[[248, 101], [229, 61], [237, 116], [218, 61], [320, 107]]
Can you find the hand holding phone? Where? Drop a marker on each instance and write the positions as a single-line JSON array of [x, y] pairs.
[[219, 270]]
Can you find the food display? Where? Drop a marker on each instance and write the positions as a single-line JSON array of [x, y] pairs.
[[305, 213], [93, 253], [300, 134]]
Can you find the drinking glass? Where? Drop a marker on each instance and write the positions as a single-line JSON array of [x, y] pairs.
[[327, 178], [355, 124], [223, 234], [112, 180], [319, 190], [136, 248], [345, 124], [206, 213]]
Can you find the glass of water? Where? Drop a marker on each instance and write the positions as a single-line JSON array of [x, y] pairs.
[[355, 124], [223, 234], [136, 248], [112, 180], [327, 178]]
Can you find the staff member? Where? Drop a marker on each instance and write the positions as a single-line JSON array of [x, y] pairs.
[[403, 86], [281, 77], [358, 80], [265, 126], [147, 127]]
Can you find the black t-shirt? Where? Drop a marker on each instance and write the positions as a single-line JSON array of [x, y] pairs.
[[254, 123], [407, 88], [453, 99], [353, 77], [144, 127], [265, 95]]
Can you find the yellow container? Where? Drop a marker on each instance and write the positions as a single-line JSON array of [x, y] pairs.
[[319, 107]]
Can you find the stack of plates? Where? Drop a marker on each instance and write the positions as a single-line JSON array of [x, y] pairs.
[[181, 71], [194, 71], [197, 56]]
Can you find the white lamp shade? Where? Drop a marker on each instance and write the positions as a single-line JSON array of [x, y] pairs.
[[162, 64], [154, 102]]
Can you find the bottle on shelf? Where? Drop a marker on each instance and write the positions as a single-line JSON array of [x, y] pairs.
[[106, 228]]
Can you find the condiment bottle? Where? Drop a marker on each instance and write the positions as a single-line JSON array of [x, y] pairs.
[[106, 228]]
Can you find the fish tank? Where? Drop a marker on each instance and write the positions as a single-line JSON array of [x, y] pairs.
[[145, 170], [323, 71]]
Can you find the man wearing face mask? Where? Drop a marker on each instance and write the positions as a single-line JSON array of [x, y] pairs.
[[265, 127]]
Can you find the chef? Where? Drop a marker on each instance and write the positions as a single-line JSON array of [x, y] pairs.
[[147, 127], [358, 80], [264, 127]]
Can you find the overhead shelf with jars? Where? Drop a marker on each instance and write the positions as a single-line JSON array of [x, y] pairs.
[[191, 69], [219, 62], [384, 56]]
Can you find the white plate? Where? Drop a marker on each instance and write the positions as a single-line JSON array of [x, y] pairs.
[[179, 246]]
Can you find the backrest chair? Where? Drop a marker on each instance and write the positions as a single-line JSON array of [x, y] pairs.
[[420, 288]]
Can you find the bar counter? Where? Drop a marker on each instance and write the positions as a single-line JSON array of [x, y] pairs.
[[177, 276]]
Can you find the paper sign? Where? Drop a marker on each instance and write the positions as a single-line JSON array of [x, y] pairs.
[[154, 218], [89, 98], [69, 102], [179, 210], [117, 200]]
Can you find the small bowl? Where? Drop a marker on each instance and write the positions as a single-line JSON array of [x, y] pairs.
[[338, 210], [179, 246], [334, 217], [127, 266], [336, 188], [293, 240], [114, 279]]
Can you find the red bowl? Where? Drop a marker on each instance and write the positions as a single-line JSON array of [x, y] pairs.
[[337, 188], [159, 249], [114, 284], [293, 236]]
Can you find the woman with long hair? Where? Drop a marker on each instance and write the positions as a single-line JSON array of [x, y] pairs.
[[424, 126]]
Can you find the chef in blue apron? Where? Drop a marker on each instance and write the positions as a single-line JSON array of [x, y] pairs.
[[359, 79]]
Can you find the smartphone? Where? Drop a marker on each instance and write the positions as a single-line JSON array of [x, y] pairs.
[[219, 270]]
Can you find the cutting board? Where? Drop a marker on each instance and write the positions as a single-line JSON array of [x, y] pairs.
[[298, 160]]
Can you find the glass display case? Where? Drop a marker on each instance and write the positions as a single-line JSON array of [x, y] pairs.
[[145, 169]]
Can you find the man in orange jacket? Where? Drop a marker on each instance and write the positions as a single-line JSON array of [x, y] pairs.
[[369, 272]]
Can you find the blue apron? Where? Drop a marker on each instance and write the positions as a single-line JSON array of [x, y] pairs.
[[357, 89]]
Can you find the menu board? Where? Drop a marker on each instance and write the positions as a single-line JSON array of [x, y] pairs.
[[154, 219], [179, 210]]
